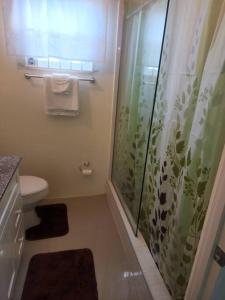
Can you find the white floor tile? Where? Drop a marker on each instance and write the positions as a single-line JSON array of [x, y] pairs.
[[91, 226]]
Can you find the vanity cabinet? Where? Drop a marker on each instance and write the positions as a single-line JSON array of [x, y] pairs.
[[11, 237]]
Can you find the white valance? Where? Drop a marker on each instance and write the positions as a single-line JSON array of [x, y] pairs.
[[69, 29]]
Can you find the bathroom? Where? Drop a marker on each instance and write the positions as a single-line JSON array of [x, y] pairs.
[[112, 160]]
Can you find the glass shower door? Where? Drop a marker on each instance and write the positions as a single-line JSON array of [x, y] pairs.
[[141, 49]]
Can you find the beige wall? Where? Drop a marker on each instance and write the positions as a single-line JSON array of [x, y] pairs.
[[54, 147]]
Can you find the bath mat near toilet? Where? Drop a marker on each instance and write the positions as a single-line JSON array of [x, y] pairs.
[[66, 275], [54, 222]]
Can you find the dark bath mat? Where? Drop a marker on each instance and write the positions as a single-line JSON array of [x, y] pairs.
[[54, 222], [66, 275]]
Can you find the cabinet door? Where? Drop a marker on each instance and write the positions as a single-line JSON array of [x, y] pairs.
[[7, 273], [18, 246]]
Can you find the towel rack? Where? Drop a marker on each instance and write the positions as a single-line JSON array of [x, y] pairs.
[[29, 76]]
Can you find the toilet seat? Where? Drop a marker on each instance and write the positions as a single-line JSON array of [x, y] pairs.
[[33, 189]]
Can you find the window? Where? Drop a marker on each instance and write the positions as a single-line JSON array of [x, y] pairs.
[[59, 64], [71, 30]]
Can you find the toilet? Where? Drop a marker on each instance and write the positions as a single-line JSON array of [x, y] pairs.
[[33, 190]]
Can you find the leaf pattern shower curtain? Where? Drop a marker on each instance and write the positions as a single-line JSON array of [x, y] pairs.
[[187, 137]]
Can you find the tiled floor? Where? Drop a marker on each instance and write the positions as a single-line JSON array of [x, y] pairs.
[[92, 226]]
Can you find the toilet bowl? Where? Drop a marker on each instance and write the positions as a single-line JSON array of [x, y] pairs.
[[33, 190]]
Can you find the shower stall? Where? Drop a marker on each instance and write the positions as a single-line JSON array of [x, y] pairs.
[[143, 33], [168, 127]]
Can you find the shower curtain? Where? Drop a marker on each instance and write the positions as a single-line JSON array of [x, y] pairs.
[[187, 137]]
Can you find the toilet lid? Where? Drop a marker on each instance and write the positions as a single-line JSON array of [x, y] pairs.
[[31, 185]]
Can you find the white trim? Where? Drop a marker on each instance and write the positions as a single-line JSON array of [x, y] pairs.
[[209, 233], [214, 271]]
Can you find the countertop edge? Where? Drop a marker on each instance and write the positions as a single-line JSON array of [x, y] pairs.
[[8, 166]]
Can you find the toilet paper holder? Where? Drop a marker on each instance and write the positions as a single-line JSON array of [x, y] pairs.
[[85, 168]]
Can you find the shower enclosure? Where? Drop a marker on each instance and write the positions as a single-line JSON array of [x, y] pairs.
[[143, 33], [169, 132]]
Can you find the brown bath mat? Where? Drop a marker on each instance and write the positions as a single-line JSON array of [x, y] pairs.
[[66, 275], [54, 222]]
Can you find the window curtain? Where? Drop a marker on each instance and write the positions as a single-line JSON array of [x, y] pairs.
[[69, 29], [187, 137]]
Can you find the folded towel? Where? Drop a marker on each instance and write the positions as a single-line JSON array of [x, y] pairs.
[[61, 84], [62, 95]]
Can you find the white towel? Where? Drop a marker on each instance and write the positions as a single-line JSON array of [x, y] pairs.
[[61, 84], [61, 94]]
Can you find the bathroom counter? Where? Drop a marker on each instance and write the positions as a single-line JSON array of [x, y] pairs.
[[12, 232], [8, 166]]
